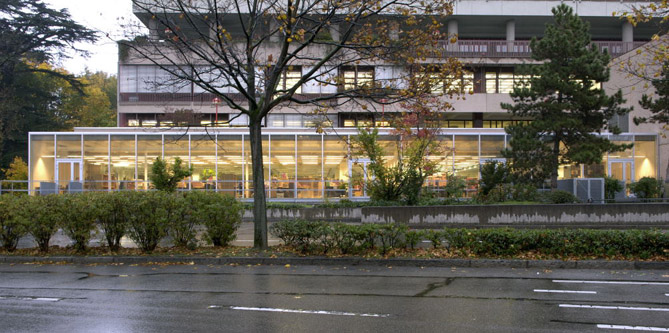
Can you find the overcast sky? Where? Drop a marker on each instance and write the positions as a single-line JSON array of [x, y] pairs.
[[100, 15]]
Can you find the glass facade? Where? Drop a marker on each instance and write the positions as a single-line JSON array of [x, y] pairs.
[[297, 166]]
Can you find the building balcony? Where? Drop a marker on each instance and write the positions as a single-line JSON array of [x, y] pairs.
[[480, 48]]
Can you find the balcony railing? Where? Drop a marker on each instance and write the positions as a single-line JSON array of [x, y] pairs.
[[468, 48]]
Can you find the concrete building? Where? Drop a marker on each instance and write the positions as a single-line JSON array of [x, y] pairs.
[[493, 39]]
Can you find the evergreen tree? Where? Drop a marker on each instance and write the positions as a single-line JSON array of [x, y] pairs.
[[565, 101], [32, 35], [659, 107]]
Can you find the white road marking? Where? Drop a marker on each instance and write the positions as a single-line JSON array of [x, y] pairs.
[[632, 328], [666, 294], [45, 299], [615, 282], [334, 313], [564, 291], [605, 307]]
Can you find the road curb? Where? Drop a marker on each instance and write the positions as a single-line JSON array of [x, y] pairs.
[[353, 261]]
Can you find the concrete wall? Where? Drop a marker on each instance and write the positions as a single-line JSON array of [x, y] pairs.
[[650, 215]]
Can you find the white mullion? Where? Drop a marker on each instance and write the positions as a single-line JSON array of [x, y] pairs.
[[322, 184], [295, 177]]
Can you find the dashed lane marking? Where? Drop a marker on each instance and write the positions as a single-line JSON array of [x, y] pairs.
[[614, 282], [333, 313], [564, 291], [607, 307], [632, 328]]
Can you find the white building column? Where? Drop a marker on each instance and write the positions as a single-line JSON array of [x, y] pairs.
[[628, 36], [452, 32], [510, 35]]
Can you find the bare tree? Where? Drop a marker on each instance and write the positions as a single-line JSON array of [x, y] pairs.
[[246, 53]]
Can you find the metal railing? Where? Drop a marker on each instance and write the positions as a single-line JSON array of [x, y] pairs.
[[467, 48]]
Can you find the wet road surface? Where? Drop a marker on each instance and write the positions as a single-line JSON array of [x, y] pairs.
[[180, 298]]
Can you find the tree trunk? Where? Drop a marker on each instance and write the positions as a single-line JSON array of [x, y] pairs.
[[259, 205]]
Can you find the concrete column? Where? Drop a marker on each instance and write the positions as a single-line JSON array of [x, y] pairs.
[[510, 35], [153, 30], [452, 32], [273, 25], [628, 36], [334, 32]]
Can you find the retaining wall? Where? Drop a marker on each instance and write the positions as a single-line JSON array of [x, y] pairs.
[[641, 215]]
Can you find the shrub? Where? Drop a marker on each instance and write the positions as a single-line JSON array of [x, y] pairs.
[[12, 226], [524, 192], [113, 214], [412, 237], [182, 218], [391, 235], [220, 214], [166, 178], [344, 237], [560, 197], [611, 187], [43, 215], [79, 215], [147, 222], [647, 188], [316, 236]]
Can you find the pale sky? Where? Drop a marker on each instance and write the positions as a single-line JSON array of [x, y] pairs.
[[99, 15]]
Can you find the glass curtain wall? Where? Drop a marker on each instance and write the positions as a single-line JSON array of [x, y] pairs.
[[96, 162], [203, 161], [282, 185], [149, 147], [41, 160], [309, 167], [445, 164], [301, 166], [335, 167], [645, 156], [230, 164], [123, 164]]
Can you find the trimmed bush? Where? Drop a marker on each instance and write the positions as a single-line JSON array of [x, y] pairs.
[[647, 188], [310, 237], [79, 216], [12, 225], [147, 222], [182, 219], [43, 216], [113, 211], [560, 197], [220, 214]]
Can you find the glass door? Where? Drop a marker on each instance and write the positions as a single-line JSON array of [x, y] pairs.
[[68, 176], [622, 170]]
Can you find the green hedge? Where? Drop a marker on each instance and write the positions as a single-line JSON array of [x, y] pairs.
[[317, 237], [145, 217]]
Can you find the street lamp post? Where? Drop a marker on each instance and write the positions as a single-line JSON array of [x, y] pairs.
[[216, 101]]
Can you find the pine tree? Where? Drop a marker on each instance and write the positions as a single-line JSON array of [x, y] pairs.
[[565, 101], [659, 107]]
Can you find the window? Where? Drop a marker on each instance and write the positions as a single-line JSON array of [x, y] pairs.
[[356, 77], [289, 78], [502, 80], [359, 119]]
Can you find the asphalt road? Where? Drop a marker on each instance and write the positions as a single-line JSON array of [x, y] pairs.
[[191, 298]]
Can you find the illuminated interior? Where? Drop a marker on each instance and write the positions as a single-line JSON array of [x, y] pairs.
[[297, 166]]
